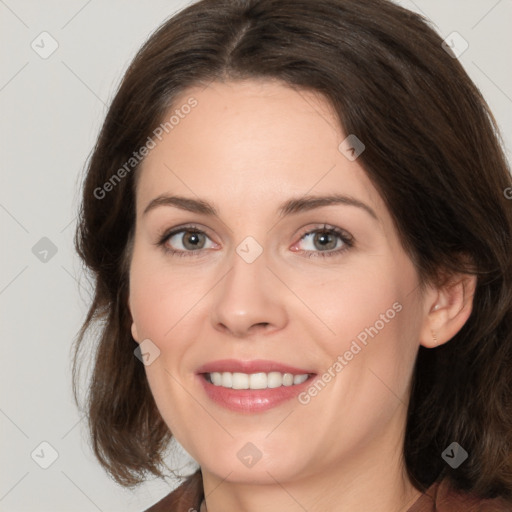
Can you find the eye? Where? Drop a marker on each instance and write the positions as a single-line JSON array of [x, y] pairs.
[[325, 242], [184, 241], [322, 242]]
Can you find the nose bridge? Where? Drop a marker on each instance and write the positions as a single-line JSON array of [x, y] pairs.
[[248, 295]]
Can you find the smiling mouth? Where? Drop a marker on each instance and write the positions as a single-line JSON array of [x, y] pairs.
[[255, 381]]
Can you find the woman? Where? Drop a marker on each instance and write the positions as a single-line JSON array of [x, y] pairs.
[[297, 221]]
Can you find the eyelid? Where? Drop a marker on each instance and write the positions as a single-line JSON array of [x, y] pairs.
[[322, 226], [166, 233]]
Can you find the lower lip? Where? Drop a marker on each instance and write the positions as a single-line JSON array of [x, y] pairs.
[[252, 400]]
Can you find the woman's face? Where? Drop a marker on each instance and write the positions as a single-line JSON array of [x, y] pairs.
[[278, 280]]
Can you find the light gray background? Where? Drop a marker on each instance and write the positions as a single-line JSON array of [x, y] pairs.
[[52, 110]]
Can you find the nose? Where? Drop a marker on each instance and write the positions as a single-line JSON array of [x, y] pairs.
[[249, 299]]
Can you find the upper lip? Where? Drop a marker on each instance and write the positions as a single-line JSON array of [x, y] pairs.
[[253, 366]]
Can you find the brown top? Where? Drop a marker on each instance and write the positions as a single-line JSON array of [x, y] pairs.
[[439, 497]]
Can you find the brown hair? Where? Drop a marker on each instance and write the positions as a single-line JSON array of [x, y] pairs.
[[432, 150]]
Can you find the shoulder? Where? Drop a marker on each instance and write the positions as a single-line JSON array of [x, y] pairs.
[[443, 497], [186, 497]]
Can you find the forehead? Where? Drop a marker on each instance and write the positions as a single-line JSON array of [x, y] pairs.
[[249, 143]]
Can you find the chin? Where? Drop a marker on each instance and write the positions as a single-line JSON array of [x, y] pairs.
[[243, 466]]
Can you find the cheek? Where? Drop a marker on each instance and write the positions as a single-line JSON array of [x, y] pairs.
[[353, 303], [145, 297], [374, 321], [159, 295], [160, 299]]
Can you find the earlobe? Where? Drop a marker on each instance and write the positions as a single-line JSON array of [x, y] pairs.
[[448, 309], [135, 334]]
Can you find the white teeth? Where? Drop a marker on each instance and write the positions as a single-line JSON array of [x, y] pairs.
[[240, 381], [216, 378], [299, 379], [226, 379], [274, 380], [287, 379], [261, 380], [257, 381]]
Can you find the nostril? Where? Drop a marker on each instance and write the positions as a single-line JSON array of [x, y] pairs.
[[260, 325]]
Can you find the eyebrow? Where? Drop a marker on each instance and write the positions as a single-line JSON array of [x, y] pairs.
[[289, 207]]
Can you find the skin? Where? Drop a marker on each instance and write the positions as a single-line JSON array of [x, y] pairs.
[[247, 147]]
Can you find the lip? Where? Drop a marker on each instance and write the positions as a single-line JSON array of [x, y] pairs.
[[250, 401], [254, 366]]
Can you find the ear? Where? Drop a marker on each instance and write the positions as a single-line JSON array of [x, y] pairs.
[[447, 309]]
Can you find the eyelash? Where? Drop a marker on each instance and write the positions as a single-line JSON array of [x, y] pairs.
[[345, 237]]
